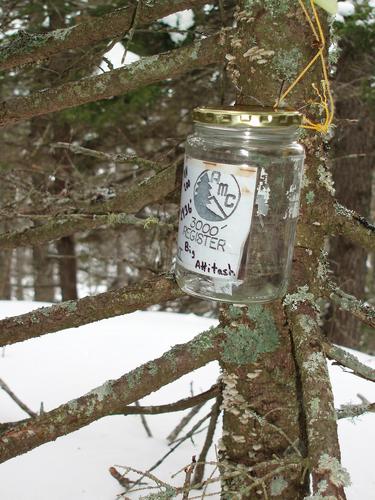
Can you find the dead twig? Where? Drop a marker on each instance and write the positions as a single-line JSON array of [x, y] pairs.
[[17, 400], [181, 404], [144, 421], [199, 469], [171, 438], [171, 450], [187, 483]]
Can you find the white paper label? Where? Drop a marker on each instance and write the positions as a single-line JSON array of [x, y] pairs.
[[215, 216]]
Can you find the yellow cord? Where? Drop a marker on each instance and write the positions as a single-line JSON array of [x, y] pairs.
[[326, 99]]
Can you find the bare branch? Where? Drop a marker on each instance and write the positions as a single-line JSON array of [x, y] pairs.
[[74, 313], [30, 47], [144, 72], [111, 397], [180, 405], [347, 359], [17, 400], [144, 421], [321, 426], [200, 466], [171, 438], [187, 483]]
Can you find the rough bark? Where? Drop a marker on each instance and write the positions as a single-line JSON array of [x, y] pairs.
[[257, 391], [261, 409]]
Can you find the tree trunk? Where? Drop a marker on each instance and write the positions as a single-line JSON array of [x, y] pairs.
[[5, 268], [261, 412], [352, 152], [19, 271], [264, 425], [67, 268], [44, 289]]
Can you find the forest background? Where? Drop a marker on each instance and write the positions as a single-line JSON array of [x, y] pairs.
[[69, 179]]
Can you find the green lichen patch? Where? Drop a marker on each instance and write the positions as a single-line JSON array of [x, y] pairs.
[[134, 378], [325, 179], [307, 323], [338, 475], [102, 392], [167, 493], [310, 197], [314, 362], [286, 63], [323, 269], [345, 212], [302, 295], [314, 407], [235, 312], [203, 342], [277, 486], [152, 368], [171, 358], [244, 344], [70, 306]]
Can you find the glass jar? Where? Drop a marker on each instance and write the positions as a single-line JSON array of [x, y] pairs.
[[239, 204]]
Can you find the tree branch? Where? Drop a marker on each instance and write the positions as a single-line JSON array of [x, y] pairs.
[[182, 404], [17, 400], [321, 426], [200, 466], [352, 411], [172, 437], [347, 359], [74, 313], [144, 72], [108, 157], [364, 312], [347, 223], [131, 200], [111, 397], [30, 47]]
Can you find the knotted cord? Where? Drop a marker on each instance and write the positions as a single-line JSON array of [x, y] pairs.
[[325, 95]]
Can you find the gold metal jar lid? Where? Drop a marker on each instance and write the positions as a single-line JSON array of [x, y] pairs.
[[247, 116]]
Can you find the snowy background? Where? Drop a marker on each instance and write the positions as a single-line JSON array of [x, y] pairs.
[[65, 365]]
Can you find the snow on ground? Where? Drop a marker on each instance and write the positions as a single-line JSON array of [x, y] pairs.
[[62, 366]]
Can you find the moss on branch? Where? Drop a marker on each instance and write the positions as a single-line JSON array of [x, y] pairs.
[[75, 313], [347, 359]]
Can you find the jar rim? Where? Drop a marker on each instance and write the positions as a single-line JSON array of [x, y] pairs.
[[247, 116]]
